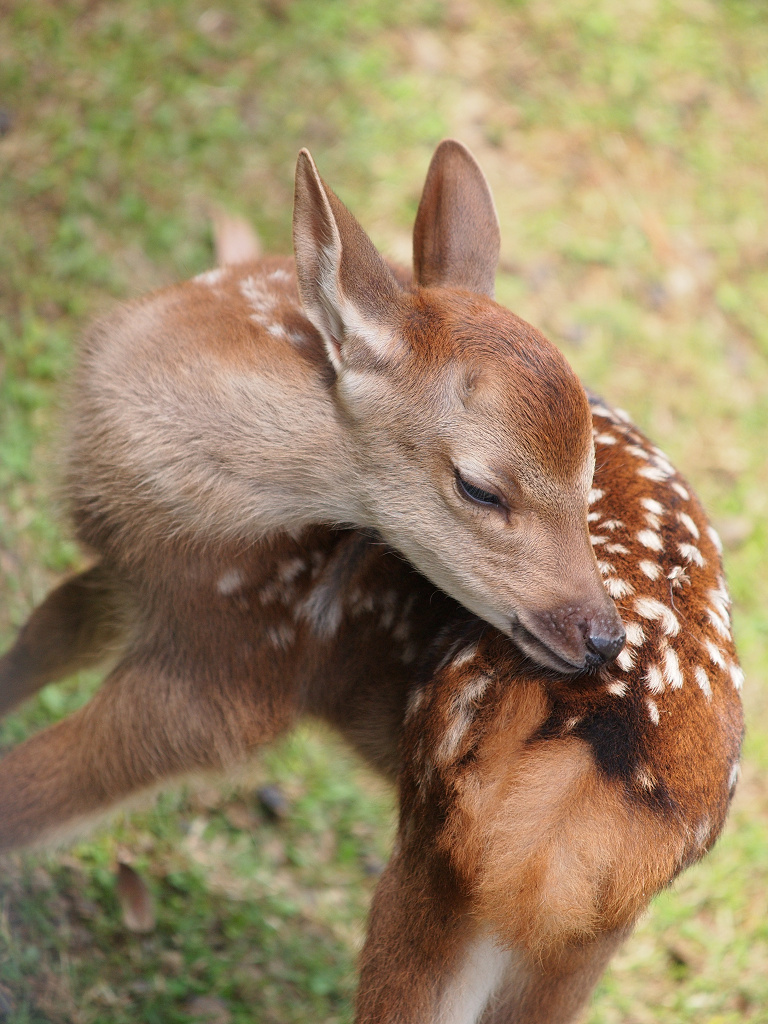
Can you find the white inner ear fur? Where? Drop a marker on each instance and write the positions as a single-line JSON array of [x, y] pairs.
[[336, 316], [383, 342]]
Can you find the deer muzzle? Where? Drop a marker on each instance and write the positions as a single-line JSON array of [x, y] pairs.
[[571, 637]]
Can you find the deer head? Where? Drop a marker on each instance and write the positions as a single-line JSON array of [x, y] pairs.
[[472, 434]]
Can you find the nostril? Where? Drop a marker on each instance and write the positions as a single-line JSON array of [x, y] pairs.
[[606, 647]]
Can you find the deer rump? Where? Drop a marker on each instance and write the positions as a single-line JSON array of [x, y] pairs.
[[540, 810]]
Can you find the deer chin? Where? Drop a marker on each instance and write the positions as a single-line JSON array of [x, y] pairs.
[[542, 654]]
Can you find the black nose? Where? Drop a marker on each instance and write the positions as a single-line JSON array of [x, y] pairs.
[[604, 648]]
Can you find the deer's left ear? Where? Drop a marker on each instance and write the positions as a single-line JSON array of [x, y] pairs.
[[346, 288], [456, 237]]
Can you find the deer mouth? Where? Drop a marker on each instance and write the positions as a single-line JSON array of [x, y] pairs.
[[542, 654]]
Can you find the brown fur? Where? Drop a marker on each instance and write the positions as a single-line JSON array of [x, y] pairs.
[[518, 813], [540, 811], [264, 396]]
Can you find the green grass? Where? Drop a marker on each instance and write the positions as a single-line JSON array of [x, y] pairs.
[[625, 142]]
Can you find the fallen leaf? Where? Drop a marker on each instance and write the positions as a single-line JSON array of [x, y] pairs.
[[135, 900]]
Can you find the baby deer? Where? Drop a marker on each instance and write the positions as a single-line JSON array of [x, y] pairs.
[[540, 807], [264, 397]]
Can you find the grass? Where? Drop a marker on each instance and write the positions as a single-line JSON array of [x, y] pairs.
[[625, 144]]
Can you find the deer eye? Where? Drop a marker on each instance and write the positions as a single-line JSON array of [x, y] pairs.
[[476, 494]]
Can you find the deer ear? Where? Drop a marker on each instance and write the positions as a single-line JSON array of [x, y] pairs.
[[456, 237], [345, 287]]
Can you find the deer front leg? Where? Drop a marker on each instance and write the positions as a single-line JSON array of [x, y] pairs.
[[143, 726]]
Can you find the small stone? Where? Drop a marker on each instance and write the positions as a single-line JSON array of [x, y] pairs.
[[273, 802]]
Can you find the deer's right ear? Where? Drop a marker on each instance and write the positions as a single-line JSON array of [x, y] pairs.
[[456, 238], [345, 287]]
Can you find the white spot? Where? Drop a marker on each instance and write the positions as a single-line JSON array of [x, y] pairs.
[[464, 656], [389, 608], [617, 688], [635, 633], [230, 582], [270, 592], [598, 540], [715, 654], [298, 337], [639, 453], [618, 588], [677, 486], [606, 414], [691, 553], [617, 549], [689, 524], [622, 414], [654, 522], [612, 524], [288, 571], [276, 331], [722, 602], [654, 679], [703, 831], [281, 635], [650, 608], [605, 439], [449, 745], [651, 540], [595, 494], [415, 701], [468, 990], [703, 680], [672, 669], [210, 277], [651, 569], [280, 275], [261, 299], [717, 621], [594, 517], [651, 505], [733, 778], [644, 778], [653, 710], [473, 690], [737, 676], [604, 567], [655, 473], [714, 536], [571, 723], [625, 660], [322, 609]]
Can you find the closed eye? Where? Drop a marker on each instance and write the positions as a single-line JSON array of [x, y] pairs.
[[476, 494]]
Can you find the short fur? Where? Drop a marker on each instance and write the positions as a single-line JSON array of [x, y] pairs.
[[540, 809], [264, 396]]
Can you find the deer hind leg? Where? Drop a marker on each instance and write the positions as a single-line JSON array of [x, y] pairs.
[[420, 944], [537, 866], [75, 627], [428, 957], [143, 726]]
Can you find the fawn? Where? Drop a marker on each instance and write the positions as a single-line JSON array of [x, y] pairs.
[[541, 807], [213, 411]]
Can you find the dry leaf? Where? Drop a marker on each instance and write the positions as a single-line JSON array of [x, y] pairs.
[[135, 900]]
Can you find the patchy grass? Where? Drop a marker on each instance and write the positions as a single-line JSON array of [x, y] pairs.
[[625, 144]]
